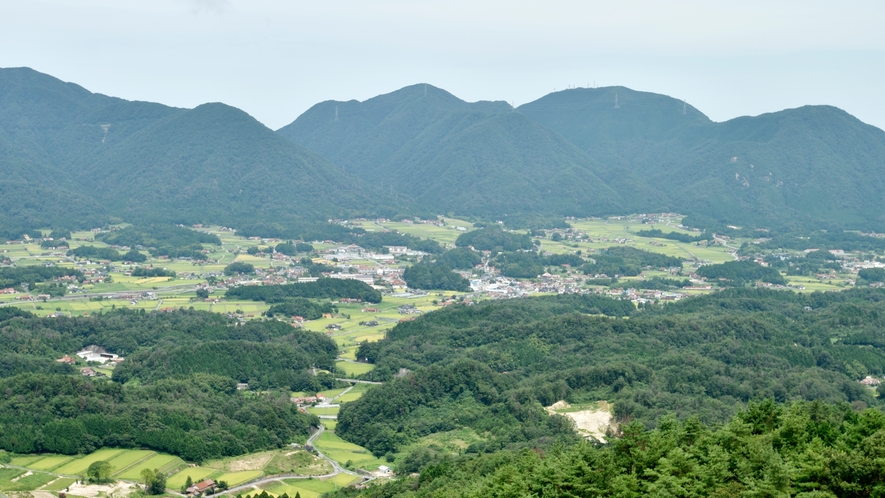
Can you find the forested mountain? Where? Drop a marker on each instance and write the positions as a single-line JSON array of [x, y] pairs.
[[813, 166], [606, 150], [490, 367], [74, 158], [452, 156]]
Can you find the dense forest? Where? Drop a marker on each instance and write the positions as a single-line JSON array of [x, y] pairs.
[[162, 240], [197, 417], [628, 261], [175, 392], [303, 307], [740, 273], [434, 276], [324, 288], [495, 364], [803, 449], [529, 264]]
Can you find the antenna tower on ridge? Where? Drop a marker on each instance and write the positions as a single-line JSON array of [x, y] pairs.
[[336, 113], [683, 107], [425, 89], [616, 102]]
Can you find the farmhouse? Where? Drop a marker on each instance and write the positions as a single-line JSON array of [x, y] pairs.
[[201, 487]]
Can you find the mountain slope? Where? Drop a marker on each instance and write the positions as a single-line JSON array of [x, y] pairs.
[[73, 158], [813, 166], [453, 156]]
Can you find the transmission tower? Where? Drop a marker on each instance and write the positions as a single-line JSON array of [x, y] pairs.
[[336, 113], [616, 102]]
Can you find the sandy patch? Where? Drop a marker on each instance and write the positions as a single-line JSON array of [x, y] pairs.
[[117, 489], [252, 462], [592, 424]]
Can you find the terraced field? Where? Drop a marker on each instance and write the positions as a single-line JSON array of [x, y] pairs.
[[237, 478], [79, 466], [196, 474], [162, 463], [49, 462]]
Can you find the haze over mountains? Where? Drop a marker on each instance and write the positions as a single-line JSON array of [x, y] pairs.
[[73, 158]]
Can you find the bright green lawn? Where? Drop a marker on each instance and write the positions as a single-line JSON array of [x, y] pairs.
[[354, 369], [237, 478], [127, 458], [49, 462], [79, 466], [159, 462]]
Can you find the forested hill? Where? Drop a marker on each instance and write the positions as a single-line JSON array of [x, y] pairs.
[[604, 150], [492, 366], [452, 156], [73, 158], [811, 166]]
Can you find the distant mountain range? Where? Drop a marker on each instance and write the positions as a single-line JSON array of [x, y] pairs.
[[600, 151], [74, 158]]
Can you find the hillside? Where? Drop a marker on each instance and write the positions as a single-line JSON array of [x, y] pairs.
[[813, 166], [490, 367], [452, 156], [74, 158]]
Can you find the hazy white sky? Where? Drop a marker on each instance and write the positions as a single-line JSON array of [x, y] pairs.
[[276, 58]]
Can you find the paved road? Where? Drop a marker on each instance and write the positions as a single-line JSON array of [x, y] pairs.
[[337, 469]]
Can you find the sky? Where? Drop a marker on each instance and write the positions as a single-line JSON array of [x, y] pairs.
[[276, 58]]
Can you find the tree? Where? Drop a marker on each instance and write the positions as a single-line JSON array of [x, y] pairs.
[[100, 472], [203, 293], [158, 486], [147, 475]]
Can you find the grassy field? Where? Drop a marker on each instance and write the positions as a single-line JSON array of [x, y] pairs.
[[237, 478], [24, 461], [354, 369], [159, 462], [122, 461], [196, 474], [49, 462], [79, 466], [323, 411], [355, 393], [329, 424], [341, 451], [27, 483], [60, 484], [309, 488]]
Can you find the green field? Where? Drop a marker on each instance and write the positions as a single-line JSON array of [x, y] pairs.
[[355, 393], [27, 483], [329, 424], [196, 474], [129, 457], [159, 462], [237, 478], [60, 484], [323, 411], [354, 369], [341, 451], [24, 461], [79, 466], [309, 488], [49, 462]]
